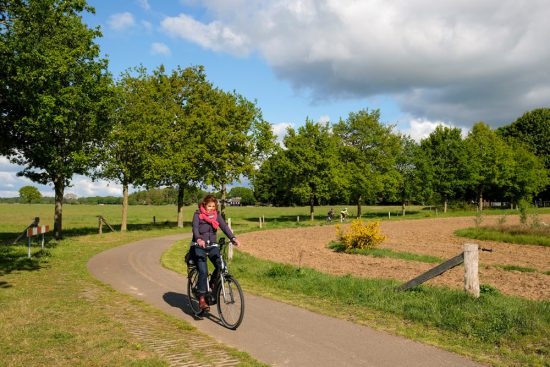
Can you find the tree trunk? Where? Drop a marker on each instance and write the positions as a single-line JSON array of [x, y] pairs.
[[445, 205], [359, 211], [180, 206], [480, 200], [311, 207], [59, 187], [223, 200], [124, 223]]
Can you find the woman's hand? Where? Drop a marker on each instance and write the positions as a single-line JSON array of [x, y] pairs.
[[201, 243], [236, 242]]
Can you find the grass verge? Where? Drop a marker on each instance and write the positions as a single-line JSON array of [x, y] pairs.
[[382, 252], [510, 234], [495, 329], [54, 313]]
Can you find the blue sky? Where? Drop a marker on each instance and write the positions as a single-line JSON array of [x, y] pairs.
[[421, 62]]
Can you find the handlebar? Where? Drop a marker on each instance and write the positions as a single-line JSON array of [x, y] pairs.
[[210, 245]]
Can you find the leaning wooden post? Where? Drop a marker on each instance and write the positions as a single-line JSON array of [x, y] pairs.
[[471, 275], [230, 248]]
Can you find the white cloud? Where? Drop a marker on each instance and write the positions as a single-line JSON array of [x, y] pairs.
[[144, 4], [82, 186], [460, 61], [280, 130], [159, 48], [421, 128], [324, 119], [214, 35], [121, 21]]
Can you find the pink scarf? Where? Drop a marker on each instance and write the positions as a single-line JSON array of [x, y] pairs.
[[209, 217]]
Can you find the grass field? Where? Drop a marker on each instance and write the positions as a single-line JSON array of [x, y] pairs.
[[54, 313]]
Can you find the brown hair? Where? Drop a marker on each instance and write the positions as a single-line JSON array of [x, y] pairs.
[[209, 199]]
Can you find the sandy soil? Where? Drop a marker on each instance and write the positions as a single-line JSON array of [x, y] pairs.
[[308, 247]]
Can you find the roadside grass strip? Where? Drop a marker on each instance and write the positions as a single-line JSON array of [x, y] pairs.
[[339, 247], [495, 329], [54, 313], [522, 235]]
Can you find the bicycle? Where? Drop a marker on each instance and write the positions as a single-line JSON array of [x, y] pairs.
[[227, 293]]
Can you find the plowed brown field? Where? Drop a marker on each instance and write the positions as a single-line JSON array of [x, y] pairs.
[[308, 247]]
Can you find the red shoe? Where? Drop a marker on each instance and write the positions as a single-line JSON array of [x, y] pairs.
[[202, 304]]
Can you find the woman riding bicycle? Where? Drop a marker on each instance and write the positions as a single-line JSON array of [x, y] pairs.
[[206, 222]]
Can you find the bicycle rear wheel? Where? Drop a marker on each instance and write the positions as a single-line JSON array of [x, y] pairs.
[[230, 302], [192, 290]]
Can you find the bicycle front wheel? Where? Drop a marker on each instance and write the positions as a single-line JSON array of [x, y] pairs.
[[192, 291], [230, 302]]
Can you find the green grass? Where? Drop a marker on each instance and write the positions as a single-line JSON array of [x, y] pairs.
[[381, 252], [495, 329], [517, 268], [49, 318], [510, 234], [54, 313]]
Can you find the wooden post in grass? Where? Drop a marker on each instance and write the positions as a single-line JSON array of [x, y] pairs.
[[471, 275], [100, 225], [260, 222], [470, 258]]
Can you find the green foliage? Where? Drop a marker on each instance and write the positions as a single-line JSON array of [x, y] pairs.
[[56, 91], [533, 128], [369, 152], [442, 162], [303, 173], [490, 163], [28, 194]]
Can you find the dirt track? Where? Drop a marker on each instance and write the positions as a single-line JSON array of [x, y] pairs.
[[308, 247]]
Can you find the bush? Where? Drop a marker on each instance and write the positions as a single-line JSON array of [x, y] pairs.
[[362, 236]]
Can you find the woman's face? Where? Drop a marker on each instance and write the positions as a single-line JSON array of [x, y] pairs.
[[210, 206]]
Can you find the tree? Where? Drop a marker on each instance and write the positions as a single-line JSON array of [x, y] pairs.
[[129, 141], [369, 152], [271, 181], [237, 141], [28, 194], [408, 184], [310, 163], [533, 129], [185, 114], [489, 161], [528, 176], [55, 92], [442, 164]]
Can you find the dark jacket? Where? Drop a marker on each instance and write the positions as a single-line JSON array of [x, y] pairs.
[[204, 230]]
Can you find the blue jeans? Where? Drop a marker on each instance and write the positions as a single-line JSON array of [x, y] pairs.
[[200, 256]]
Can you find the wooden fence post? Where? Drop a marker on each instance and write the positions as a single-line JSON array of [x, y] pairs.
[[471, 275], [100, 229]]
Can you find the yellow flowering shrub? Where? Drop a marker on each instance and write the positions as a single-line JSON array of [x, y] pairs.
[[361, 236]]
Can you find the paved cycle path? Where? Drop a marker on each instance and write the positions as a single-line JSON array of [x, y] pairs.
[[272, 332]]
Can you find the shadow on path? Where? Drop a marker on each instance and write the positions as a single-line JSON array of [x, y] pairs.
[[181, 301]]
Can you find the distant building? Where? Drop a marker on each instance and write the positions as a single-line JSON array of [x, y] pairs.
[[235, 201]]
